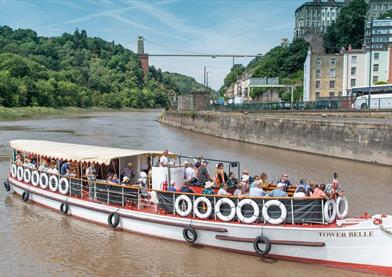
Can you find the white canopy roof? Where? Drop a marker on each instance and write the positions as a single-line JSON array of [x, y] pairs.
[[75, 152]]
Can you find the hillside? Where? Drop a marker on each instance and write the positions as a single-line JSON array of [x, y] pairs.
[[77, 70]]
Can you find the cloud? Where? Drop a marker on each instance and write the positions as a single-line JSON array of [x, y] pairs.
[[97, 15]]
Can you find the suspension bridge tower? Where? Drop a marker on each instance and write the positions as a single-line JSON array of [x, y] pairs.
[[143, 57]]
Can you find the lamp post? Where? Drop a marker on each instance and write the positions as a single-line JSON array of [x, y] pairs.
[[370, 61]]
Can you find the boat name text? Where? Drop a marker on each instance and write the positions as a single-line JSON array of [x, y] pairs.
[[357, 234]]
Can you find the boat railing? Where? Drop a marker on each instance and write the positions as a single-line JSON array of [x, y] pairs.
[[297, 210]]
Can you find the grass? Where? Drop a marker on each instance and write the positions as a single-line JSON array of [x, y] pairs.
[[25, 112]]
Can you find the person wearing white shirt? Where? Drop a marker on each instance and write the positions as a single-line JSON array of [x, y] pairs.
[[189, 172], [164, 160]]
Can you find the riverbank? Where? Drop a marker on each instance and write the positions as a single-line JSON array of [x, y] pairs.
[[357, 138], [25, 112]]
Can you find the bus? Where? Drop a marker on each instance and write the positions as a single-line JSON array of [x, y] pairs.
[[380, 97]]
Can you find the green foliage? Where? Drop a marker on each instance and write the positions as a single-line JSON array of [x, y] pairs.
[[386, 14], [381, 83], [236, 71], [348, 28], [77, 70]]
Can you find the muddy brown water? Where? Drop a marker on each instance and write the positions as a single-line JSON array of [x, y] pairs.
[[35, 241]]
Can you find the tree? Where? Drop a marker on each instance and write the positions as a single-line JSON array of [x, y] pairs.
[[386, 15], [348, 28]]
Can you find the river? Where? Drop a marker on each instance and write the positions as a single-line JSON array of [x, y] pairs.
[[36, 241]]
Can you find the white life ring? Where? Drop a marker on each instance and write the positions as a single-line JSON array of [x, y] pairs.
[[63, 189], [256, 211], [283, 212], [19, 173], [330, 218], [53, 183], [219, 213], [43, 180], [13, 170], [196, 210], [35, 178], [27, 175], [341, 214], [188, 205]]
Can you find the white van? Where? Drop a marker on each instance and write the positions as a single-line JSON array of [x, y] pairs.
[[377, 101]]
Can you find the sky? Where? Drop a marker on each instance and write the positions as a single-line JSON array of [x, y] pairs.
[[168, 26]]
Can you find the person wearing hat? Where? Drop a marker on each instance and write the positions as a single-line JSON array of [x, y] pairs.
[[279, 191], [127, 171], [202, 174], [126, 181], [208, 188], [172, 186]]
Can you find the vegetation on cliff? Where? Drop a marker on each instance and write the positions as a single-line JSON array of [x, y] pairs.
[[77, 70]]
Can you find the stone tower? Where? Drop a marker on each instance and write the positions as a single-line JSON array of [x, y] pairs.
[[143, 58]]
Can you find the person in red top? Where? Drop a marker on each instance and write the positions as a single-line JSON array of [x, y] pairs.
[[319, 191]]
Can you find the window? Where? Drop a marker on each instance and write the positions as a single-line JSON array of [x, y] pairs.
[[332, 84], [353, 82], [318, 71], [353, 70], [375, 79], [331, 94], [332, 61], [354, 59], [317, 94], [318, 61], [317, 84], [375, 67], [376, 56], [327, 14], [332, 73], [333, 14]]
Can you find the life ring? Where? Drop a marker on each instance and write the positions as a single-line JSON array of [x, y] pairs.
[[262, 240], [219, 213], [27, 175], [283, 212], [35, 178], [189, 233], [341, 214], [64, 207], [25, 196], [13, 170], [196, 209], [19, 173], [330, 218], [113, 220], [7, 186], [63, 185], [256, 211], [188, 205], [44, 180], [53, 183]]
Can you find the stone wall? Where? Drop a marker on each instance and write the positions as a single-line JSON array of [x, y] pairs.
[[356, 139]]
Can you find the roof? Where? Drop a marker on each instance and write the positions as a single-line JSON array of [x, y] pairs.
[[321, 4], [75, 152]]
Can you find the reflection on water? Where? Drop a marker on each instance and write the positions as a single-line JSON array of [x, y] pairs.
[[39, 242]]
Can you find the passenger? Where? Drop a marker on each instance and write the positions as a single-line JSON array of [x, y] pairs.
[[333, 190], [279, 191], [70, 173], [244, 189], [126, 181], [223, 190], [65, 167], [127, 171], [264, 180], [53, 168], [257, 190], [28, 164], [185, 188], [208, 188], [238, 189], [246, 175], [143, 189], [91, 173], [285, 180], [203, 175], [304, 185], [19, 160], [164, 160], [220, 174], [43, 166], [319, 191], [172, 186], [190, 173], [255, 179], [299, 193], [145, 164], [110, 177], [144, 176], [115, 179], [232, 181]]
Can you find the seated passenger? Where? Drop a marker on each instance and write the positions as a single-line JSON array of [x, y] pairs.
[[223, 190], [110, 177], [304, 185], [208, 188], [256, 190], [238, 189], [126, 181], [143, 189], [19, 160], [319, 191], [53, 168], [285, 180], [299, 193], [65, 167], [115, 179], [279, 191], [246, 177], [185, 188], [43, 166], [264, 180], [172, 186], [232, 181]]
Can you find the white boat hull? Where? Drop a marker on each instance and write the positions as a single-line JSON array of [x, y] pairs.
[[362, 246]]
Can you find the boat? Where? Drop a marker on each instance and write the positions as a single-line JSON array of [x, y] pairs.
[[310, 230]]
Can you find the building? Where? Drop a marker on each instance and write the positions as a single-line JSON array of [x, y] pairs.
[[323, 76], [143, 58], [381, 34], [355, 69], [378, 7], [194, 101], [315, 16]]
